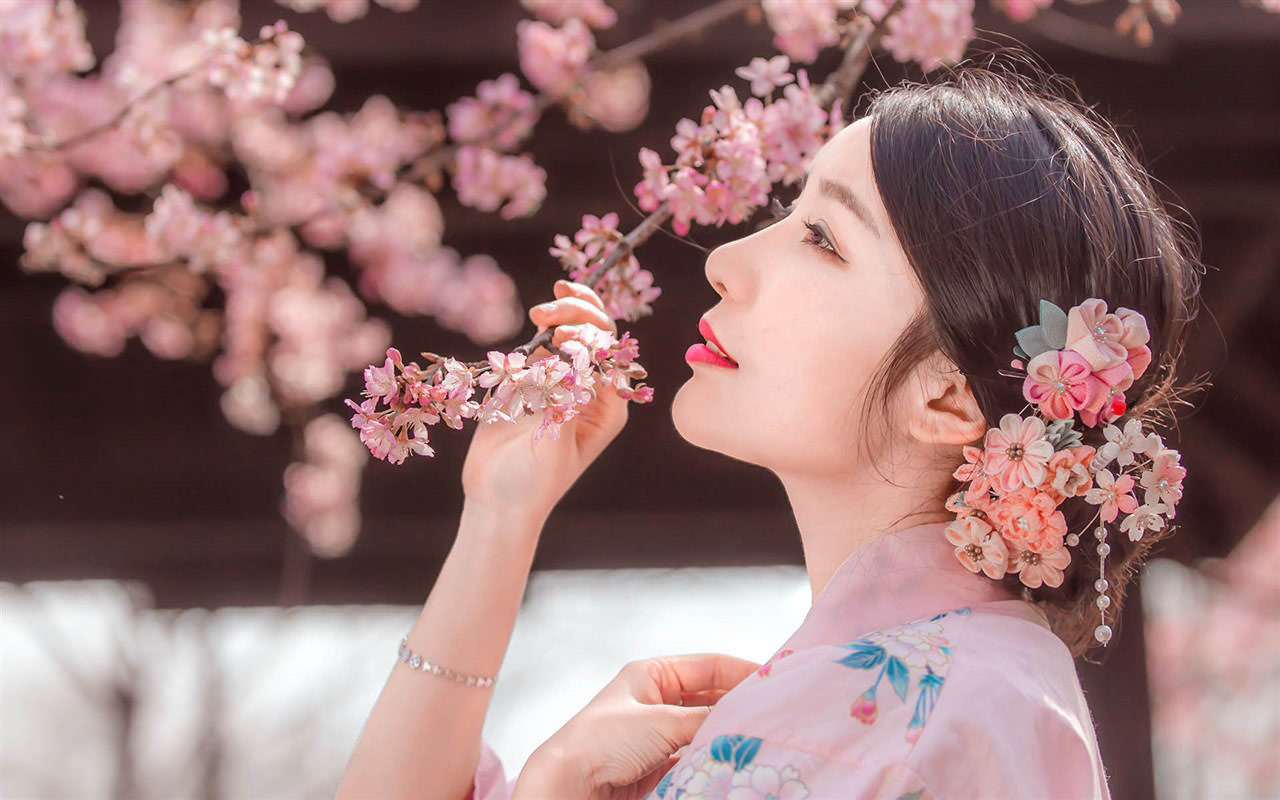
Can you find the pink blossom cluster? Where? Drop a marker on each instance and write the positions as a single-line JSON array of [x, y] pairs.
[[1008, 515], [402, 399], [184, 230], [163, 311], [342, 11], [929, 32], [593, 12], [486, 179], [554, 59], [41, 38], [802, 30], [250, 73], [557, 60], [396, 246], [726, 164], [626, 289], [501, 114], [290, 335], [322, 491], [310, 170]]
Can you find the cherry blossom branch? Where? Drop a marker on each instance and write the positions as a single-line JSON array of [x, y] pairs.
[[839, 84], [268, 35], [435, 159], [672, 32], [845, 78]]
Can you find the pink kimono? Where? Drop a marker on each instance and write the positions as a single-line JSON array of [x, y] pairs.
[[910, 678]]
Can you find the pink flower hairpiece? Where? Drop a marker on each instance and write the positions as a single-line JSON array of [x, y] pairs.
[[1077, 365]]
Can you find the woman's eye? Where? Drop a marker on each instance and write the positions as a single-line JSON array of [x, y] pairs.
[[818, 238]]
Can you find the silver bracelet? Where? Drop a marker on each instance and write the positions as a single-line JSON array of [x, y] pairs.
[[416, 661]]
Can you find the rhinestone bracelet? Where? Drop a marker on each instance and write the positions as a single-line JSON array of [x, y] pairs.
[[416, 661]]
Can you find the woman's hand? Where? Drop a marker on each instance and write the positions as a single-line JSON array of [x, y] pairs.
[[504, 467], [627, 737]]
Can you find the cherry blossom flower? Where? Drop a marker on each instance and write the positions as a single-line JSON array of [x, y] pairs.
[[929, 32], [978, 546], [322, 491], [43, 38], [247, 404], [554, 59], [1021, 10], [593, 12], [766, 74], [1097, 335], [251, 73], [1035, 568], [342, 11], [1148, 517], [380, 382], [1068, 472], [626, 291], [486, 179], [616, 99], [792, 129], [653, 188], [501, 114], [1113, 494], [1016, 453], [802, 29], [1029, 518], [1057, 381], [1163, 481]]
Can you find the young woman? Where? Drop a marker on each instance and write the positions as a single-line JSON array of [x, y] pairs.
[[867, 330]]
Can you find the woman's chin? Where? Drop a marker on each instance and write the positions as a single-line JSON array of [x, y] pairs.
[[695, 424]]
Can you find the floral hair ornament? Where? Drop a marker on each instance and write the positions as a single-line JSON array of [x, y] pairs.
[[1075, 365]]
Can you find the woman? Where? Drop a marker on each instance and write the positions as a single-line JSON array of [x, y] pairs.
[[867, 330]]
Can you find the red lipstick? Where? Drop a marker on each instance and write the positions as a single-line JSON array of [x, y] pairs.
[[704, 354]]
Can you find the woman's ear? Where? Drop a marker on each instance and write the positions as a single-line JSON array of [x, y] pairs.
[[944, 409]]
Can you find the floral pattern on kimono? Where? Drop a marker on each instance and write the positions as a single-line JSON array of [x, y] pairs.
[[916, 652], [726, 768]]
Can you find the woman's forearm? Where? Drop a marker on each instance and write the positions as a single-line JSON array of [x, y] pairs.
[[422, 739]]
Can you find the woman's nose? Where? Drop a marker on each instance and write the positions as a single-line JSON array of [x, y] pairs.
[[724, 269]]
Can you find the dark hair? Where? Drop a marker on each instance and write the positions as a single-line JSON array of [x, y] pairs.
[[1003, 191]]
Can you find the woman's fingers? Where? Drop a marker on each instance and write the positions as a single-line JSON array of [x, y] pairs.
[[563, 288], [570, 310], [680, 676]]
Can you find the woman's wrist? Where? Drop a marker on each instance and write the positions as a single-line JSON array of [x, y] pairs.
[[502, 521]]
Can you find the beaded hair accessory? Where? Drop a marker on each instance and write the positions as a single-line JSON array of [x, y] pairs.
[[1074, 365]]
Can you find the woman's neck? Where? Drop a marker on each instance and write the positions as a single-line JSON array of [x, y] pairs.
[[840, 514]]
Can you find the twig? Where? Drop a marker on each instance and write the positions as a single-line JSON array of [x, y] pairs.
[[845, 78], [672, 32]]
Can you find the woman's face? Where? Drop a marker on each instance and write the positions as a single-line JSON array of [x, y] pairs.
[[809, 306]]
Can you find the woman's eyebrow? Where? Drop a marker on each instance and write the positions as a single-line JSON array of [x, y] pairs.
[[839, 192]]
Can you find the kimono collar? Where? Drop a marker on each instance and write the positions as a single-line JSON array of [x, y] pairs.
[[899, 577]]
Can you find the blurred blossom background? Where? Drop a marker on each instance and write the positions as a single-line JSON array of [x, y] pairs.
[[204, 576]]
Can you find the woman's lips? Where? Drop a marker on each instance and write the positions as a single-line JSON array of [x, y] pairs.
[[713, 346], [701, 354]]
